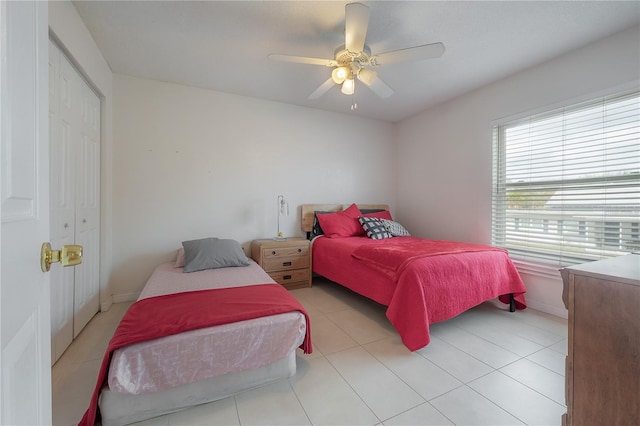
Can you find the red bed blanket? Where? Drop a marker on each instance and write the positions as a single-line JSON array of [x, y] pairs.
[[392, 256], [437, 280], [165, 315]]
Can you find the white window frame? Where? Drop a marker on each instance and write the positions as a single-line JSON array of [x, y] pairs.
[[608, 235]]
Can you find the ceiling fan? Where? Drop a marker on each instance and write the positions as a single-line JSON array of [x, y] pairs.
[[354, 60]]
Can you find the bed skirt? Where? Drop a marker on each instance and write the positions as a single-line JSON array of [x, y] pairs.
[[121, 409]]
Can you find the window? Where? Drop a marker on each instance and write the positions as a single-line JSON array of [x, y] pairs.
[[567, 182]]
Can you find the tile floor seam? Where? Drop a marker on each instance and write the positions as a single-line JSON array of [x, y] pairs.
[[523, 384], [352, 388], [554, 344], [446, 371], [403, 381], [544, 366], [496, 343], [235, 404], [529, 387], [479, 337], [293, 389], [497, 405], [532, 325], [472, 356], [465, 385], [413, 408], [524, 338]]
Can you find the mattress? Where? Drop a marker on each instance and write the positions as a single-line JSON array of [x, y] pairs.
[[121, 409], [177, 360]]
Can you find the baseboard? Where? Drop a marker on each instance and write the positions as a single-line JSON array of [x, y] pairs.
[[125, 297], [105, 305], [549, 309]]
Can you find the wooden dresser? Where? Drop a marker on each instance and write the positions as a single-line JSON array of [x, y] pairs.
[[603, 362], [288, 261]]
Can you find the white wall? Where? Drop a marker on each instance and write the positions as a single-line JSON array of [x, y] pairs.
[[70, 33], [188, 162], [444, 153], [192, 163]]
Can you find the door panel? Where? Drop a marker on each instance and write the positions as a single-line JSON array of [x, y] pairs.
[[62, 191], [87, 294]]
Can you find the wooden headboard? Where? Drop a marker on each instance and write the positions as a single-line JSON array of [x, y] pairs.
[[309, 209]]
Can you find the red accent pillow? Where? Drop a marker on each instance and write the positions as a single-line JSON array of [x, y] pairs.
[[341, 224], [384, 214]]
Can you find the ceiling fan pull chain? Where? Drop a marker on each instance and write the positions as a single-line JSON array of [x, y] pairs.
[[354, 101]]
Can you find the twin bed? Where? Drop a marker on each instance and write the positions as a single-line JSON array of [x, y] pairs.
[[228, 329], [204, 332]]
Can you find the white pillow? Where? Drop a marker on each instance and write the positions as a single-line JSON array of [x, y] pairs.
[[179, 258], [394, 228]]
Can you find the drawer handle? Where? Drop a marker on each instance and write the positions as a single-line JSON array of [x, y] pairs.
[[286, 263], [286, 277], [273, 252], [299, 250]]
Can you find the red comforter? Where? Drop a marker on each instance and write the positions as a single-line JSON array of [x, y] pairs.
[[421, 281], [392, 256], [165, 315]]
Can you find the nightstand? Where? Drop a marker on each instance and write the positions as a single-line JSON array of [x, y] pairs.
[[288, 261]]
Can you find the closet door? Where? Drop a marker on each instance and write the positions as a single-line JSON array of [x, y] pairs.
[[62, 128], [87, 192], [74, 200]]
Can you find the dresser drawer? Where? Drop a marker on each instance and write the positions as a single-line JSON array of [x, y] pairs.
[[270, 253], [290, 277], [285, 263]]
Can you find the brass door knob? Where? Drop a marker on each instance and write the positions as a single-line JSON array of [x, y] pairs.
[[70, 255]]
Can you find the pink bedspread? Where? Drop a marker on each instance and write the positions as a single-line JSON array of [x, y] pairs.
[[165, 315], [419, 288]]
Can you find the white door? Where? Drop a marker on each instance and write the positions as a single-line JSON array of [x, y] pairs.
[[62, 196], [25, 387], [87, 191], [74, 123]]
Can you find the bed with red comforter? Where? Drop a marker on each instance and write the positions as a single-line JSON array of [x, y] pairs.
[[195, 337], [421, 281]]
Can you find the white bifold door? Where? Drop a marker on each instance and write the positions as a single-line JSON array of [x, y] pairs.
[[74, 125]]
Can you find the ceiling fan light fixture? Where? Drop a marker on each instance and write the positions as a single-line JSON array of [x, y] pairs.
[[348, 87], [350, 59], [340, 74], [367, 76]]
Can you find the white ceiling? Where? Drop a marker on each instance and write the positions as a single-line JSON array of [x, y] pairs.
[[223, 45]]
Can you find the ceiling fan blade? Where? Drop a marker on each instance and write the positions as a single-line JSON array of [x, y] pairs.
[[410, 54], [303, 60], [373, 82], [324, 88], [355, 26]]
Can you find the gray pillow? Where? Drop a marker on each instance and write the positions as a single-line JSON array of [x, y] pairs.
[[212, 253]]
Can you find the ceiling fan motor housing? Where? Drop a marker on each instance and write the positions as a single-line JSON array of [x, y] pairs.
[[344, 57]]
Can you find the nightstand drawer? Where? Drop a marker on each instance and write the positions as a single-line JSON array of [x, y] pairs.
[[288, 277], [270, 253], [288, 261], [285, 263]]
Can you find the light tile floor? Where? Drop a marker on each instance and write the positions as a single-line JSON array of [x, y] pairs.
[[487, 366]]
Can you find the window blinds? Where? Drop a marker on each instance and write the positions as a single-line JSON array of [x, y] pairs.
[[567, 182]]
